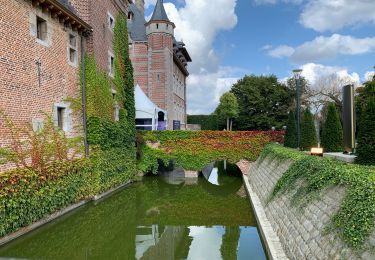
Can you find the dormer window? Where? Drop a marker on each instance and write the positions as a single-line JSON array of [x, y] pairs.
[[130, 16]]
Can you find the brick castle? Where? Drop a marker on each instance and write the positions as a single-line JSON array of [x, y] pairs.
[[41, 42]]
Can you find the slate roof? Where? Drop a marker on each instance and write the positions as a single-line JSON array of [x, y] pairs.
[[159, 12], [136, 27], [68, 6]]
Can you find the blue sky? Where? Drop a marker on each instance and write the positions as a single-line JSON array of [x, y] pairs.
[[239, 37]]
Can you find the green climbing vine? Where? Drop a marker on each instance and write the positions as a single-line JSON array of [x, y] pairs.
[[356, 217], [124, 72]]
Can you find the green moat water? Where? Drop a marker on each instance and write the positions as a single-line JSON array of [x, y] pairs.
[[161, 217]]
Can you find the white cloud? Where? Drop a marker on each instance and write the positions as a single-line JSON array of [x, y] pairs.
[[331, 15], [261, 2], [369, 75], [281, 51], [198, 28], [313, 72], [325, 48], [206, 90]]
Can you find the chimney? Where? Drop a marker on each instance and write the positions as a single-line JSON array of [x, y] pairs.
[[141, 6]]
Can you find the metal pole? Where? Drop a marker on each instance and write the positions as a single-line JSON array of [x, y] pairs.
[[84, 112], [298, 114]]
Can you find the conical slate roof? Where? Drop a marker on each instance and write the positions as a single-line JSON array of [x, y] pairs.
[[136, 27], [159, 12]]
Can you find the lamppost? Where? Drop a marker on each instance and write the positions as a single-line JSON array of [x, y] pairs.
[[297, 78]]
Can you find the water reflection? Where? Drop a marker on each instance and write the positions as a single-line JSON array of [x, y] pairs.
[[152, 220]]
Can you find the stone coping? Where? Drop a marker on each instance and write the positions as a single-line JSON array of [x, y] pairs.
[[271, 241]]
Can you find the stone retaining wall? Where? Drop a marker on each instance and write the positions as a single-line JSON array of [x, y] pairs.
[[301, 232]]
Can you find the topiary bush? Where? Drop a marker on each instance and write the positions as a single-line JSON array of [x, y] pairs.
[[308, 133], [332, 133], [291, 131], [366, 134]]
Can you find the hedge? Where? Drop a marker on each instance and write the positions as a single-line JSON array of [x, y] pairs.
[[207, 122], [195, 149], [26, 197]]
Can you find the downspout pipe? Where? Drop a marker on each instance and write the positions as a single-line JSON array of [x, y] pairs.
[[83, 90]]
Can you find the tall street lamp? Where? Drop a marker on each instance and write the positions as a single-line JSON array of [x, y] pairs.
[[297, 78]]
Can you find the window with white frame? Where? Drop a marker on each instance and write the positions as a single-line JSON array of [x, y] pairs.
[[72, 49]]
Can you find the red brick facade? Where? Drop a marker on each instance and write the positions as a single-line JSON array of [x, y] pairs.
[[159, 70], [37, 76]]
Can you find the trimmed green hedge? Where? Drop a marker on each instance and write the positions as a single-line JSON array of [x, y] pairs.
[[356, 217], [207, 122], [195, 149]]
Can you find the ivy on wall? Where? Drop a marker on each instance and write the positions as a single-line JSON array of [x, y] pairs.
[[124, 72], [355, 219], [98, 91]]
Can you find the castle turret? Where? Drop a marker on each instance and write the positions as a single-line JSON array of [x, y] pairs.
[[159, 22], [159, 31], [141, 6]]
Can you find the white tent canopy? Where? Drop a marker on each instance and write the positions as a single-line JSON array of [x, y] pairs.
[[146, 111]]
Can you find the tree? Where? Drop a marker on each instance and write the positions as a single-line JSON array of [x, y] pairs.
[[327, 89], [305, 90], [291, 131], [263, 102], [366, 133], [308, 133], [228, 108], [332, 139]]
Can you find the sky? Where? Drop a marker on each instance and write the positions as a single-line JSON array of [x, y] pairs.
[[228, 39]]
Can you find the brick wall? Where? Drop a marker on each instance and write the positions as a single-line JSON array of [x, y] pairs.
[[97, 14], [22, 98], [302, 232]]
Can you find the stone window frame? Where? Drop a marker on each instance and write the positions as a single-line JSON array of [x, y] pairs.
[[116, 107], [74, 48], [67, 118], [111, 64], [37, 124], [33, 22], [110, 21]]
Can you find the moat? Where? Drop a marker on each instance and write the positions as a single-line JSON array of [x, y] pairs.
[[156, 218]]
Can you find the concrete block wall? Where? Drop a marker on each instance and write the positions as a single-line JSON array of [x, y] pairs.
[[301, 232]]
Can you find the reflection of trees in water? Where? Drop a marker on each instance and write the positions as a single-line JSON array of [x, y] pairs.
[[229, 245]]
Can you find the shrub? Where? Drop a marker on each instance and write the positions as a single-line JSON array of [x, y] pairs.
[[308, 133], [38, 150], [291, 131], [332, 133], [366, 134]]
